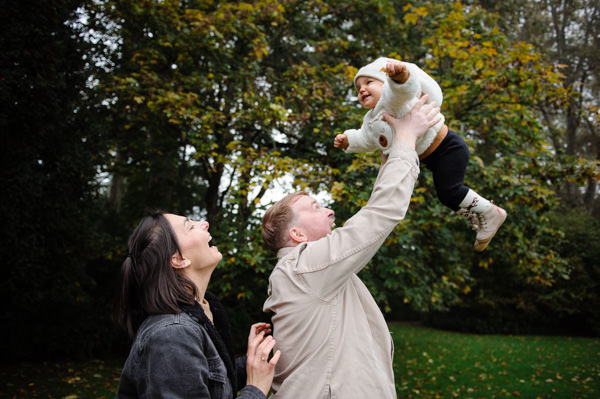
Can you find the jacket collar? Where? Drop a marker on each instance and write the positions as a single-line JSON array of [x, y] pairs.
[[284, 251]]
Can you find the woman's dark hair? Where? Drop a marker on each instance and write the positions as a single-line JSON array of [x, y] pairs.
[[148, 284]]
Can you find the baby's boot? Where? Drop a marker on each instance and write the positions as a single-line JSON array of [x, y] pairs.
[[490, 221], [483, 216]]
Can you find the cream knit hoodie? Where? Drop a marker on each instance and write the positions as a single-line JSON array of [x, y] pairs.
[[396, 99]]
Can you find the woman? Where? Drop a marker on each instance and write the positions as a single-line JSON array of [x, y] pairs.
[[182, 346]]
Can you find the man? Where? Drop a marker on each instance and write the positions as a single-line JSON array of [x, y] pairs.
[[333, 338]]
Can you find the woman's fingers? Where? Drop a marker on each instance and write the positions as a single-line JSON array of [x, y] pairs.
[[260, 345], [264, 349], [266, 346], [258, 329], [266, 327], [275, 358], [259, 368], [254, 339]]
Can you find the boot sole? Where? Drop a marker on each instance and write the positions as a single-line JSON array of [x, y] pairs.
[[480, 246]]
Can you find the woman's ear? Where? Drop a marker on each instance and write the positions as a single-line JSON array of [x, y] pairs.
[[179, 262], [296, 235]]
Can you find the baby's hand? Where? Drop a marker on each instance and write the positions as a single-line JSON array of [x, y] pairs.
[[341, 141], [397, 71]]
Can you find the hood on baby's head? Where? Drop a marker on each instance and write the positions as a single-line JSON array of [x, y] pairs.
[[374, 70]]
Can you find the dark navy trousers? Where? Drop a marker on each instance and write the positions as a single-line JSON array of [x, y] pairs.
[[448, 163]]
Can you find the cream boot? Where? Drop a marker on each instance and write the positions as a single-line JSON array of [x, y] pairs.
[[483, 216]]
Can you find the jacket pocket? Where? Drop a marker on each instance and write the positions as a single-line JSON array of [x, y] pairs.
[[218, 384]]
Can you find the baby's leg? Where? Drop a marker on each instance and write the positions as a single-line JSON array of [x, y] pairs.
[[448, 164]]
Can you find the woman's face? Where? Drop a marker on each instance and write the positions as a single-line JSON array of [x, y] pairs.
[[193, 239]]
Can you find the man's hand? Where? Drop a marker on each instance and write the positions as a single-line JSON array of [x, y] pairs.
[[414, 124], [341, 141], [397, 71]]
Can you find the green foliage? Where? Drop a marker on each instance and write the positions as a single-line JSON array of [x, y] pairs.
[[202, 107], [491, 92], [578, 295]]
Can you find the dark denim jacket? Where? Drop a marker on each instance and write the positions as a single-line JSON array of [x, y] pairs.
[[173, 356]]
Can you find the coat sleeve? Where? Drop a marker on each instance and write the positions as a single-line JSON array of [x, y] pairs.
[[360, 140], [426, 84], [401, 97], [328, 263], [176, 366]]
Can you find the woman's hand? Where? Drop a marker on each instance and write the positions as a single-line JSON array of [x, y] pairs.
[[259, 369]]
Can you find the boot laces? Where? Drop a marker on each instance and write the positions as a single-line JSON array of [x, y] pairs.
[[476, 220], [481, 220]]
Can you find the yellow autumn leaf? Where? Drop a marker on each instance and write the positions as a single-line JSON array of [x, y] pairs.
[[411, 18], [422, 11]]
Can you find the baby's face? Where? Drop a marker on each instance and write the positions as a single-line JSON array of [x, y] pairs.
[[369, 91]]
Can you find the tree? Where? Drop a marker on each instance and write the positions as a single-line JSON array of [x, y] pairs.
[[48, 174], [210, 103], [567, 34], [492, 90], [200, 107]]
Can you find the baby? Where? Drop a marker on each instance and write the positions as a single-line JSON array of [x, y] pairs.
[[388, 85]]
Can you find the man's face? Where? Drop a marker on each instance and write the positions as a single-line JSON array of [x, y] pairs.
[[311, 219], [369, 91]]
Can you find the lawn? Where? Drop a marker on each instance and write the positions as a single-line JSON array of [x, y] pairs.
[[431, 363], [428, 364]]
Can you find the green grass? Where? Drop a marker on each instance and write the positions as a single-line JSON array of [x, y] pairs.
[[428, 363], [431, 363]]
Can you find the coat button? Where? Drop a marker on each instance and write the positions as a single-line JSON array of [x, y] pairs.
[[383, 141]]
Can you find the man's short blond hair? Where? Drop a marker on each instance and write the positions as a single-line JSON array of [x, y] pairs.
[[277, 219]]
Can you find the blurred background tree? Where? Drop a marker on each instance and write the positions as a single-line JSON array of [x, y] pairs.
[[51, 203], [568, 35], [211, 109]]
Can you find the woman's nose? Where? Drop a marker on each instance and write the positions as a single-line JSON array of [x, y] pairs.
[[204, 224]]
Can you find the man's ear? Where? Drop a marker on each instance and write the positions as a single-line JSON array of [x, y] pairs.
[[179, 262], [296, 235]]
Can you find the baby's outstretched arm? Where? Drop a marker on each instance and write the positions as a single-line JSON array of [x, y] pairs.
[[341, 141], [397, 71]]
